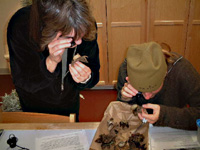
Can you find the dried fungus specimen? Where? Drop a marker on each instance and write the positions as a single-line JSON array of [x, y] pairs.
[[107, 141], [111, 140], [122, 146], [135, 141], [136, 109], [124, 124], [80, 58], [110, 123], [113, 127]]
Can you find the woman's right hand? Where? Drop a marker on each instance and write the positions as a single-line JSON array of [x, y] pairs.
[[57, 47], [56, 50], [128, 90]]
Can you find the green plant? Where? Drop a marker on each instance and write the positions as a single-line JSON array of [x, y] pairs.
[[10, 102]]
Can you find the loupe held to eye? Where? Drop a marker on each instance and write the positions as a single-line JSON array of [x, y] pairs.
[[73, 43], [140, 100]]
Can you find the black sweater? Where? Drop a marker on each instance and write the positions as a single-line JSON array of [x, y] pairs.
[[179, 99], [38, 89]]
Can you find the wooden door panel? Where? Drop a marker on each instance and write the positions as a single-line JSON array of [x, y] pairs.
[[193, 53], [169, 9], [126, 25], [125, 10], [121, 39], [99, 11], [172, 35], [167, 22], [193, 36], [102, 42]]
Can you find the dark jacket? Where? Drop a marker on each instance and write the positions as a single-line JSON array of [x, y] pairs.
[[38, 89], [179, 99]]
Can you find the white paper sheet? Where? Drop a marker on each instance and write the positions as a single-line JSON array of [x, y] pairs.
[[27, 138], [73, 141], [165, 138]]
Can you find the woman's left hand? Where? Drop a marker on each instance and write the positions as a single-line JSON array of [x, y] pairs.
[[79, 72], [151, 118]]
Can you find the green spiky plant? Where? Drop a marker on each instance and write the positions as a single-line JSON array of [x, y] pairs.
[[10, 102]]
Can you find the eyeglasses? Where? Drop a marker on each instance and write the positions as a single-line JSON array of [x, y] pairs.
[[73, 43]]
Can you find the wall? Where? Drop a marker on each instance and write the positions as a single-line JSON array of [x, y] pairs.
[[122, 23], [7, 8]]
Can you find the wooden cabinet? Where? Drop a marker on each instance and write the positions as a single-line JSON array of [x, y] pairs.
[[120, 24], [125, 26], [99, 11], [178, 24], [167, 22], [192, 49], [125, 22]]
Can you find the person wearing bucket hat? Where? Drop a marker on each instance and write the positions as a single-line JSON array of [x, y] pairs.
[[146, 66], [162, 82]]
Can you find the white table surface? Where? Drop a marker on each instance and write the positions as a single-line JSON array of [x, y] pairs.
[[160, 138]]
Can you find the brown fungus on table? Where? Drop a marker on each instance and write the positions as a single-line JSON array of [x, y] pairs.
[[107, 141], [122, 146], [135, 141], [124, 124], [111, 141]]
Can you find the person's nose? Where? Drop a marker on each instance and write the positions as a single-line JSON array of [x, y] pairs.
[[147, 95], [78, 42]]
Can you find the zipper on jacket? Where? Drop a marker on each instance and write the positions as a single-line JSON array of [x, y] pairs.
[[64, 66]]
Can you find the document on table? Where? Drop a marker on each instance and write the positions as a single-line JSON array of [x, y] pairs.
[[74, 141], [165, 138]]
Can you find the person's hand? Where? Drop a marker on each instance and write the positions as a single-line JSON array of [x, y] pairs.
[[79, 72], [128, 90], [56, 50], [57, 47], [151, 118]]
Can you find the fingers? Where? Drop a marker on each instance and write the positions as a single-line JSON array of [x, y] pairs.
[[140, 116], [150, 106], [59, 40], [145, 115], [128, 90], [151, 118], [58, 44], [79, 72]]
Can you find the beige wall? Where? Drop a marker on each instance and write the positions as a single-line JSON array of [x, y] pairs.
[[7, 9]]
